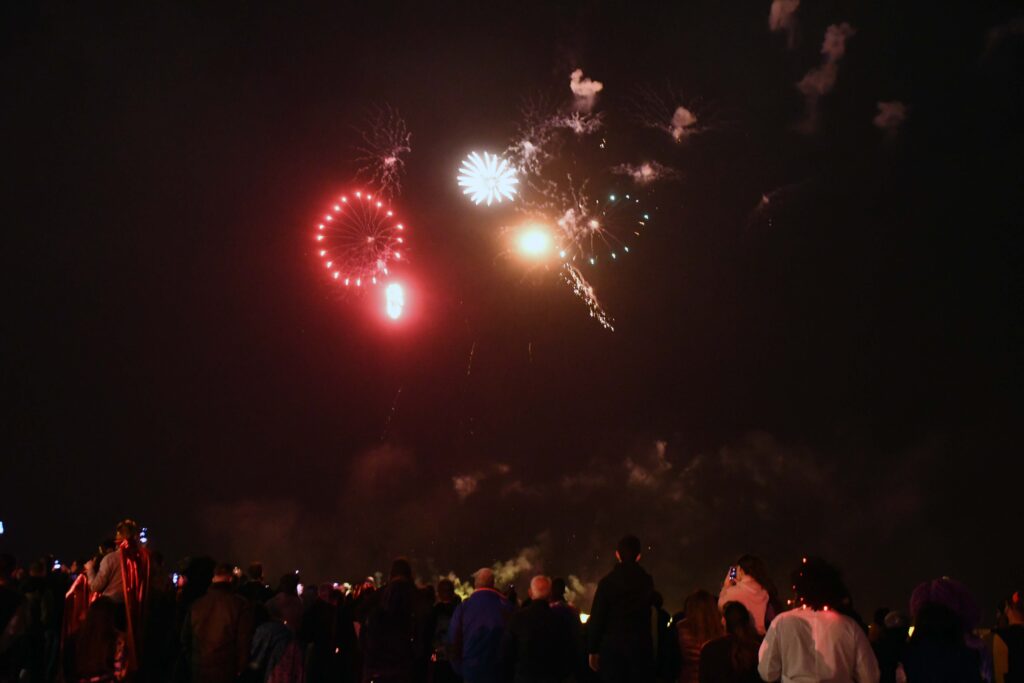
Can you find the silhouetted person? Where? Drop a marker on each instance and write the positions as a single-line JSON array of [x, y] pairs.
[[327, 627], [12, 621], [253, 587], [1008, 644], [943, 647], [475, 633], [123, 576], [890, 641], [286, 605], [99, 649], [444, 609], [571, 616], [538, 644], [732, 658], [815, 641], [393, 630], [217, 635], [702, 624], [619, 639]]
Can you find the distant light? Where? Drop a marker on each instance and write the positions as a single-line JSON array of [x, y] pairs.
[[591, 261], [612, 197], [910, 632], [394, 300], [1, 528], [584, 618], [533, 242]]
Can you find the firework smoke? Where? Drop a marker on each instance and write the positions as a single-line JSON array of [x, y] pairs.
[[585, 91], [664, 111], [782, 17], [890, 117], [821, 79], [646, 172]]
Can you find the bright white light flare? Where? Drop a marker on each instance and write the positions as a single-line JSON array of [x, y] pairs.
[[394, 298], [487, 178], [534, 242]]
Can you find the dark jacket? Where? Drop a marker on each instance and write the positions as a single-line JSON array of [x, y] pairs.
[[621, 618], [217, 635], [717, 666], [392, 636], [475, 635], [538, 646]]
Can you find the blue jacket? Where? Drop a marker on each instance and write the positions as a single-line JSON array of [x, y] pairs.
[[475, 633]]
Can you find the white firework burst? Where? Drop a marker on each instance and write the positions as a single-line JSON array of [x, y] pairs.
[[487, 178]]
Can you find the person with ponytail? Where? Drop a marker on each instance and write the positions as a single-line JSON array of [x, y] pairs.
[[733, 657]]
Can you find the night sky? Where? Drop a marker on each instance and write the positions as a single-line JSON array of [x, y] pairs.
[[838, 373]]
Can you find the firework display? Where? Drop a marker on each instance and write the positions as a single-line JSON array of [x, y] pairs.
[[384, 142], [358, 239], [583, 204], [487, 178]]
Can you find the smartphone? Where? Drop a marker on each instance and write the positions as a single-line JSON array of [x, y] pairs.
[[732, 573], [174, 578]]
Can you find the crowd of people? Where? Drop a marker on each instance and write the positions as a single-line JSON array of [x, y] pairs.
[[120, 616]]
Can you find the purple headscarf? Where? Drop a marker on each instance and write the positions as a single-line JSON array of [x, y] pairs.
[[951, 594]]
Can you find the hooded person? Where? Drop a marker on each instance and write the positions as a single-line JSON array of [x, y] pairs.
[[749, 584], [393, 640]]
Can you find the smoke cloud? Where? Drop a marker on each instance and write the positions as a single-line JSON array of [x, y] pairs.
[[820, 80], [782, 17], [682, 119], [646, 172], [585, 90], [890, 117]]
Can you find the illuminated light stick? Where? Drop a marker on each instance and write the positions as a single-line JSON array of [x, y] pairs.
[[487, 178]]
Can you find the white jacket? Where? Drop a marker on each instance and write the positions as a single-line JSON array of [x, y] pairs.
[[807, 646], [750, 593]]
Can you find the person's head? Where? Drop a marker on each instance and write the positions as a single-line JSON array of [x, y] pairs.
[[755, 568], [937, 623], [737, 619], [818, 584], [326, 592], [401, 570], [37, 569], [628, 550], [951, 593], [558, 590], [255, 572], [223, 573], [289, 584], [484, 578], [703, 620], [445, 590], [540, 588], [126, 530]]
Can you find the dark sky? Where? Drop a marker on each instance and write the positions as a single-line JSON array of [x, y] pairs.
[[838, 375]]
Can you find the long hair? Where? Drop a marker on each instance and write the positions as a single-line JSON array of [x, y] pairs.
[[97, 640], [746, 642], [755, 567], [703, 621]]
